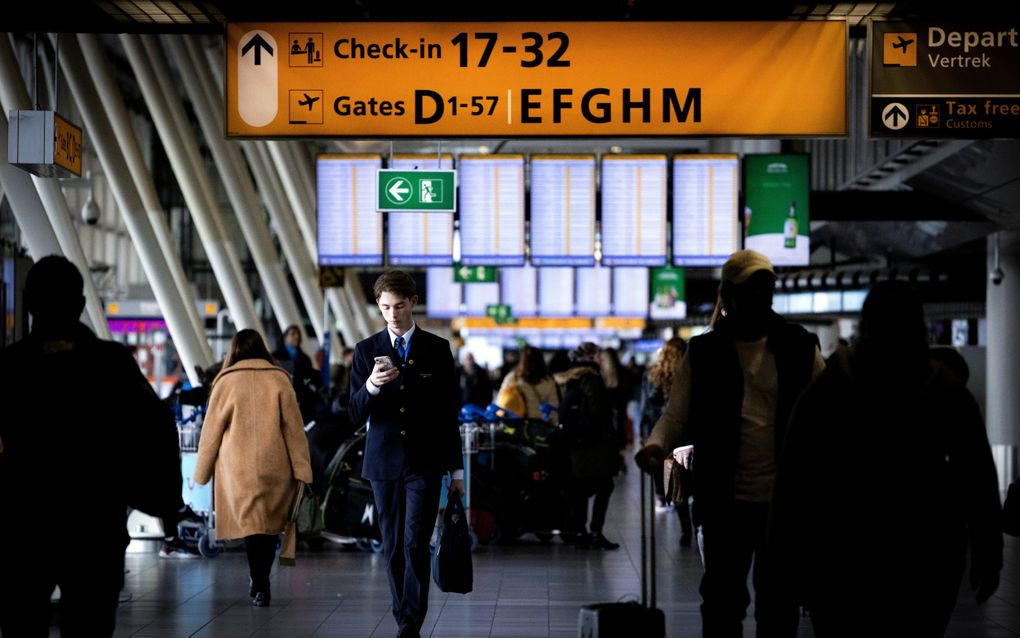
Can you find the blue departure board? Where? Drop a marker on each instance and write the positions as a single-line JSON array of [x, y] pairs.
[[705, 193], [478, 296], [556, 291], [630, 292], [594, 291], [420, 238], [634, 210], [491, 206], [563, 210], [518, 288], [350, 231], [443, 294]]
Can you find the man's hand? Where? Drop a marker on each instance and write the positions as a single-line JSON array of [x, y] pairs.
[[382, 374], [649, 458], [457, 487]]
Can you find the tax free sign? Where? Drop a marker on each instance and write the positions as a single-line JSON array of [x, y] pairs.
[[541, 79]]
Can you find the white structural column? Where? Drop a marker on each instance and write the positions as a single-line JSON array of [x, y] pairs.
[[117, 115], [368, 322], [1002, 403], [171, 123], [28, 210], [239, 186], [175, 309], [13, 95], [300, 262], [303, 191], [293, 187]]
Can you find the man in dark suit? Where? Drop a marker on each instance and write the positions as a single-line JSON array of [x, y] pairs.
[[413, 439]]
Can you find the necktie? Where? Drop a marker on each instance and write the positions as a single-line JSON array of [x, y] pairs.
[[399, 343]]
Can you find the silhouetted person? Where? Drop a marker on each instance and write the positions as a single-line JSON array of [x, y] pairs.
[[475, 385], [731, 400], [304, 375], [91, 440], [886, 476]]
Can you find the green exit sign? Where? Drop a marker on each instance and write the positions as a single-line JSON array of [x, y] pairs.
[[500, 313], [474, 274], [426, 191]]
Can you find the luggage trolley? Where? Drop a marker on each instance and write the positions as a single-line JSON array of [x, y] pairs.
[[201, 535]]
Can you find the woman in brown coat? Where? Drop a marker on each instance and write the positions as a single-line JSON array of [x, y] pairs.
[[253, 439]]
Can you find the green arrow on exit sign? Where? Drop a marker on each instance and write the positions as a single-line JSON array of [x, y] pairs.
[[473, 274], [426, 191]]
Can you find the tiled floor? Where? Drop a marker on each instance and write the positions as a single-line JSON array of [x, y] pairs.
[[527, 590]]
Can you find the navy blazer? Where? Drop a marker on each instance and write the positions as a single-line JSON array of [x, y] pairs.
[[414, 417]]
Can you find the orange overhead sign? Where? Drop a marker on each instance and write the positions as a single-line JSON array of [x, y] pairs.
[[519, 79]]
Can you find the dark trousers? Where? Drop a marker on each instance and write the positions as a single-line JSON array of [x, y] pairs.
[[407, 510], [90, 582], [733, 537], [261, 550], [601, 487]]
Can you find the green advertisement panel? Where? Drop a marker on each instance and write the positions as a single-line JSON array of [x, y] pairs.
[[776, 215], [669, 298]]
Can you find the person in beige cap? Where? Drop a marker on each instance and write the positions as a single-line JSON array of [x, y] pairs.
[[731, 400]]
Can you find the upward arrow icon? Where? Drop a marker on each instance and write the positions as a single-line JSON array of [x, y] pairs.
[[257, 43]]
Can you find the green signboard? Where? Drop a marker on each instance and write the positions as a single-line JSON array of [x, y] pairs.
[[776, 220], [500, 313], [416, 191], [668, 293], [474, 274]]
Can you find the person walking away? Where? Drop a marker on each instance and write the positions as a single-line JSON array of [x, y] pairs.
[[731, 400], [305, 377], [84, 412], [410, 403], [475, 385], [253, 442], [897, 430], [536, 386], [587, 420], [655, 387]]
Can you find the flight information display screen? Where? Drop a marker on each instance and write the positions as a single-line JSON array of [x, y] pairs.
[[491, 207], [594, 291], [518, 288], [705, 194], [443, 294], [478, 296], [634, 210], [420, 238], [563, 210], [556, 291], [350, 230], [630, 292]]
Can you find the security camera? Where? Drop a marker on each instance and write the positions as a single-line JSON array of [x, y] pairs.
[[90, 212], [996, 276]]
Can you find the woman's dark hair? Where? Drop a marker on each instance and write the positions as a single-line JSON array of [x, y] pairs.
[[397, 282], [532, 366], [247, 344]]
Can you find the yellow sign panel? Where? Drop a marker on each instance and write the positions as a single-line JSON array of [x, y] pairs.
[[518, 79], [67, 149]]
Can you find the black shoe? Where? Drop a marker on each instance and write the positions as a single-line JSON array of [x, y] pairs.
[[598, 541], [260, 599], [408, 631]]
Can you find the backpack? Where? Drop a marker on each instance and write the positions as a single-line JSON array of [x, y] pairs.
[[573, 411]]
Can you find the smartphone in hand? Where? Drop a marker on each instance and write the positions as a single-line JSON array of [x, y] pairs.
[[385, 361]]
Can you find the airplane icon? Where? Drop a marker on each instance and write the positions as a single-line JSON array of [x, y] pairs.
[[309, 101], [902, 43]]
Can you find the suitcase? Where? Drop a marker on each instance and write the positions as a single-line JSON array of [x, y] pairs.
[[628, 619]]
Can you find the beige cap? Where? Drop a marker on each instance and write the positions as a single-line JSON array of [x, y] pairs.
[[744, 263]]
